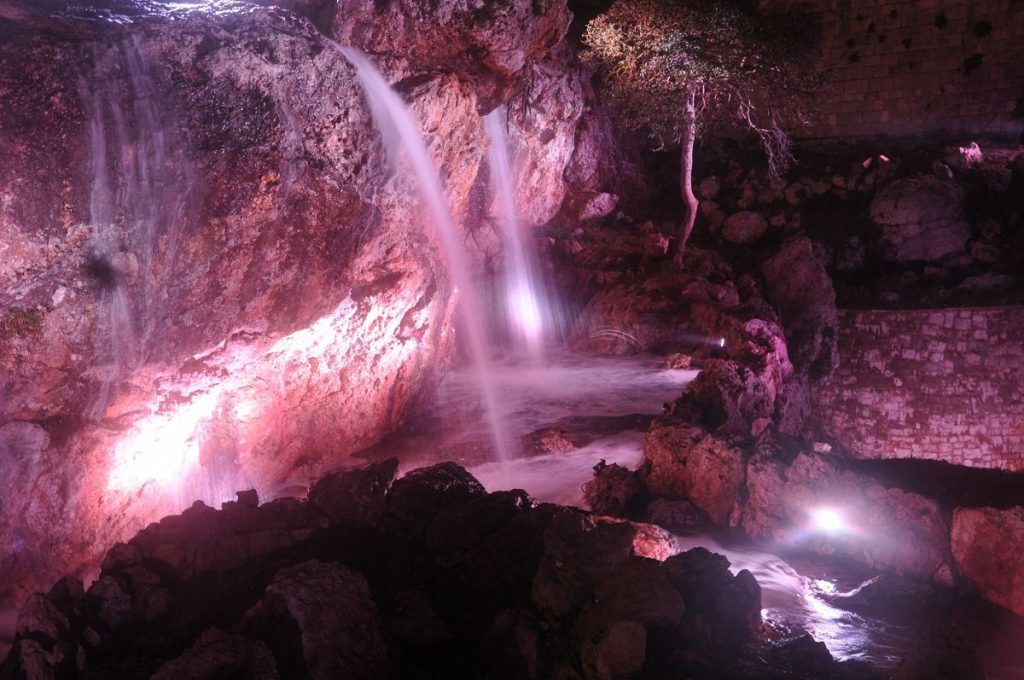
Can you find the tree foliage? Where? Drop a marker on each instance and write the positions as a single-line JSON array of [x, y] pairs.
[[743, 67]]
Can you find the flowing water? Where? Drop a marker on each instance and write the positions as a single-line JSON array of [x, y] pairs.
[[605, 404], [140, 193], [405, 147], [524, 304]]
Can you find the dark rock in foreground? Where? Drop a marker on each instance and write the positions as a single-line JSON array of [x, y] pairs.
[[428, 576]]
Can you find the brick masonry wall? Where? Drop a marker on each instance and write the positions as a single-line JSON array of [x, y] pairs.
[[935, 384], [910, 67]]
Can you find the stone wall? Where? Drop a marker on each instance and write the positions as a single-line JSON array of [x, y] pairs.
[[906, 67], [934, 384]]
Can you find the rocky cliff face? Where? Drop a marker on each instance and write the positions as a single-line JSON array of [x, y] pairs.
[[209, 278]]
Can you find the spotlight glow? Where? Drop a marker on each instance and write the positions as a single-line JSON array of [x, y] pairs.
[[526, 314], [828, 520]]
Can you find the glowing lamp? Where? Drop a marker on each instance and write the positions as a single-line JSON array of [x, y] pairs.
[[721, 342], [828, 521]]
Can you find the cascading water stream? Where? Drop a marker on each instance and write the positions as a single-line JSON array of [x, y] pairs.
[[521, 283], [139, 195], [402, 139]]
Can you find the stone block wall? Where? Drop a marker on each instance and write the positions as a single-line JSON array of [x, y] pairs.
[[933, 384], [909, 67]]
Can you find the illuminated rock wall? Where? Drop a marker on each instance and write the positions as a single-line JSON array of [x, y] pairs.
[[906, 67], [210, 278], [932, 384]]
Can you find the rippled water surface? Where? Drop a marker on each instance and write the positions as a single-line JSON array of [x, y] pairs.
[[606, 404]]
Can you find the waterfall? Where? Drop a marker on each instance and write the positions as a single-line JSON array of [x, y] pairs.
[[519, 278], [140, 193], [403, 140]]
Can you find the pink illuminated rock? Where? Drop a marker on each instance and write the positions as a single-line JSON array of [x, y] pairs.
[[232, 294], [921, 219], [488, 46], [687, 463], [985, 543], [883, 528]]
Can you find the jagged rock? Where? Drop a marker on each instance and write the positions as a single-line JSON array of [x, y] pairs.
[[984, 544], [921, 219], [674, 515], [678, 360], [525, 591], [597, 206], [219, 654], [544, 121], [799, 287], [651, 316], [611, 490], [700, 467], [320, 621], [487, 46], [422, 493], [548, 440], [463, 526], [744, 227], [355, 498], [720, 607]]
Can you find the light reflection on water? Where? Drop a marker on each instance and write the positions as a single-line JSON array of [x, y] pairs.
[[589, 396], [796, 601]]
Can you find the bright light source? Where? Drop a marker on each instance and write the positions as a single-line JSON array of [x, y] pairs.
[[721, 342], [828, 520]]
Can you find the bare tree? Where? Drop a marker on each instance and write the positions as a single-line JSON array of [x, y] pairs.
[[677, 67]]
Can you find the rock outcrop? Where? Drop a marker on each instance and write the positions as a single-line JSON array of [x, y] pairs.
[[921, 218], [488, 46], [983, 544], [209, 280], [481, 585]]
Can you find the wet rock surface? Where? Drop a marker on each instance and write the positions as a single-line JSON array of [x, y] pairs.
[[221, 215], [528, 591], [983, 544]]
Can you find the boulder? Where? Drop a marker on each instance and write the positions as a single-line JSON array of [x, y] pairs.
[[320, 621], [920, 218], [548, 440], [704, 469], [984, 544], [355, 498], [799, 287], [720, 607], [611, 490], [744, 227], [422, 493]]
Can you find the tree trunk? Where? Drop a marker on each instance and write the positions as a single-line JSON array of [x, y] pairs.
[[686, 176]]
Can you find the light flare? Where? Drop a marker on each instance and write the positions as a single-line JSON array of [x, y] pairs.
[[828, 520], [162, 448]]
